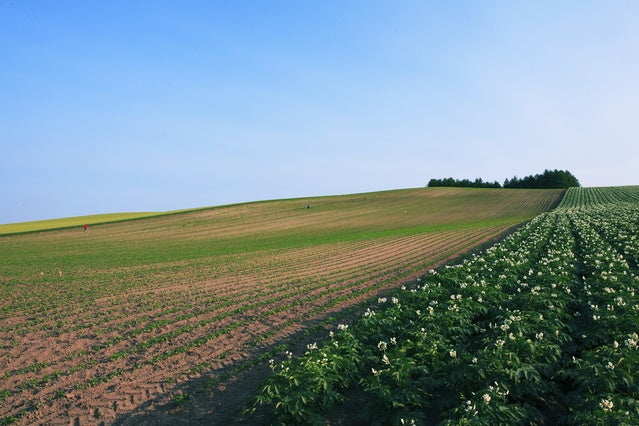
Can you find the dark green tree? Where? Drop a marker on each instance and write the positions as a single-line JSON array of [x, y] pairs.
[[548, 179]]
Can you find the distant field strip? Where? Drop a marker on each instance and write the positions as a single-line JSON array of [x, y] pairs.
[[95, 324], [40, 225]]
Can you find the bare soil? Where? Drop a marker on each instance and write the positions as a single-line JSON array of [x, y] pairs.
[[189, 353]]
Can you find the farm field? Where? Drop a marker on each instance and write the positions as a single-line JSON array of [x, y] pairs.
[[540, 328], [103, 325], [41, 225]]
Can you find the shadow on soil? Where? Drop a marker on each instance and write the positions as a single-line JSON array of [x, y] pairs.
[[223, 396]]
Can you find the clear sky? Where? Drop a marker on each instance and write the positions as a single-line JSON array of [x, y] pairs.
[[151, 105]]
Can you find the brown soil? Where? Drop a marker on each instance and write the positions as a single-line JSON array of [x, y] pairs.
[[187, 351]]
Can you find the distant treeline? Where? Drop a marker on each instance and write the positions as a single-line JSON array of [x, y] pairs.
[[548, 179], [466, 183]]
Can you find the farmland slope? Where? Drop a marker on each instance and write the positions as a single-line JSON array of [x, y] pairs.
[[540, 328], [117, 320]]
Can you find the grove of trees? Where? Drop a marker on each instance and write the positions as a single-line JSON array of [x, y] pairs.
[[466, 183], [547, 179]]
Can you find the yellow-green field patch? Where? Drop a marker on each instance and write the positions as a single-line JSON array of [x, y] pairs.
[[68, 222]]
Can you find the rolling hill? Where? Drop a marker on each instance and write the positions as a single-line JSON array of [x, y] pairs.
[[119, 321]]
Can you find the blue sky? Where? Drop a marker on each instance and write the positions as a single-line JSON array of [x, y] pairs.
[[158, 105]]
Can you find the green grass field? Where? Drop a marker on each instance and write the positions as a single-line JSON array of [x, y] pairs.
[[137, 305]]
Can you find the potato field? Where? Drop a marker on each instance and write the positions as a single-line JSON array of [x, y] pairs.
[[540, 328], [155, 319]]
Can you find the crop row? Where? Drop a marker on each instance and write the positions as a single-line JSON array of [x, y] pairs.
[[540, 328], [109, 341], [275, 267], [115, 314], [589, 197]]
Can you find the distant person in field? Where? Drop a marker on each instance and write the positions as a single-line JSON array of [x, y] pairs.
[[85, 227]]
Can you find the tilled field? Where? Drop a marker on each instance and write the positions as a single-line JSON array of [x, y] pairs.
[[84, 343]]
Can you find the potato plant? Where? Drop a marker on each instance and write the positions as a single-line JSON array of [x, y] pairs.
[[539, 328]]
